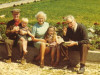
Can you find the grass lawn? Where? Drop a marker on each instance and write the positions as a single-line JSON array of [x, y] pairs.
[[6, 1], [85, 11]]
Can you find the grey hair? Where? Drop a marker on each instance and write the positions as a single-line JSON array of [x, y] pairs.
[[69, 17], [41, 13]]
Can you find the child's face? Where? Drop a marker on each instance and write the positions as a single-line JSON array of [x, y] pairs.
[[51, 31], [24, 24]]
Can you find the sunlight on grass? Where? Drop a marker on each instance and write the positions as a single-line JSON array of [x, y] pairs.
[[85, 11]]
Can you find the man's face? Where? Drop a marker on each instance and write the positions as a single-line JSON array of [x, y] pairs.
[[16, 15], [71, 23]]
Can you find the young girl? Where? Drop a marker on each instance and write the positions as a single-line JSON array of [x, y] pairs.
[[51, 39], [23, 35]]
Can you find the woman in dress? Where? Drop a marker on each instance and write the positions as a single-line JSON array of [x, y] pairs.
[[38, 31]]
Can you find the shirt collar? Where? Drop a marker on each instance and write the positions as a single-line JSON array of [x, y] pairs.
[[17, 22], [75, 27]]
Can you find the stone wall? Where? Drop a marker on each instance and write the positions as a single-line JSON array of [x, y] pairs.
[[74, 55], [93, 56], [16, 53]]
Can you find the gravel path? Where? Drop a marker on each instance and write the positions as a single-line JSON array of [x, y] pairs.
[[6, 5], [32, 69]]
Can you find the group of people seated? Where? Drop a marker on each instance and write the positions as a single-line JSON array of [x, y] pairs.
[[45, 38]]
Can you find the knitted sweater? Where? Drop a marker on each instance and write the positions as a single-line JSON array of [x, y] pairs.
[[80, 35]]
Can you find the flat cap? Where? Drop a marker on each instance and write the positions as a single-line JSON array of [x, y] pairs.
[[16, 10]]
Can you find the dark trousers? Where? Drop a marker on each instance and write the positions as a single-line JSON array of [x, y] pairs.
[[9, 45], [83, 51]]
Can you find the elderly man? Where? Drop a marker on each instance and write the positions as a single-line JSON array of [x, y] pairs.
[[12, 33], [77, 35]]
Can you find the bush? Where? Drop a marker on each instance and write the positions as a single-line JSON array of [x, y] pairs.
[[97, 29], [95, 40], [59, 26], [2, 31]]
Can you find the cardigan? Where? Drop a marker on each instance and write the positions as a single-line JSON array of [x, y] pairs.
[[80, 35]]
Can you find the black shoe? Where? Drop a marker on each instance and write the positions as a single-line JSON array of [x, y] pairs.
[[81, 70]]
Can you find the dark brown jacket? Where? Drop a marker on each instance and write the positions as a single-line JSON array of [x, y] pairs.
[[9, 27]]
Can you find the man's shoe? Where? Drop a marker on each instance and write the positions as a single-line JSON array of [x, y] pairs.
[[23, 61], [41, 65], [52, 63], [55, 64], [81, 70], [8, 60]]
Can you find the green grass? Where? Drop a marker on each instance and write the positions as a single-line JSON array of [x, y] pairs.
[[6, 1], [85, 11]]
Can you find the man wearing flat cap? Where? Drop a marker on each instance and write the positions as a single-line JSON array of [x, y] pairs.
[[12, 34]]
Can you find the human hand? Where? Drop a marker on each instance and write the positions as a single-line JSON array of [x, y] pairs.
[[15, 29], [53, 44], [72, 43], [28, 32], [33, 38], [64, 30]]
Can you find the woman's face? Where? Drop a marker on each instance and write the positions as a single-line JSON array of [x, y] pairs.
[[41, 19], [51, 31], [24, 24]]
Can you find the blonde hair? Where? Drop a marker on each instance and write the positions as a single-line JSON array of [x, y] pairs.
[[41, 13], [69, 17], [25, 20]]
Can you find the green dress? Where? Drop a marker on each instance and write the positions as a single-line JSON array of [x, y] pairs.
[[39, 31]]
